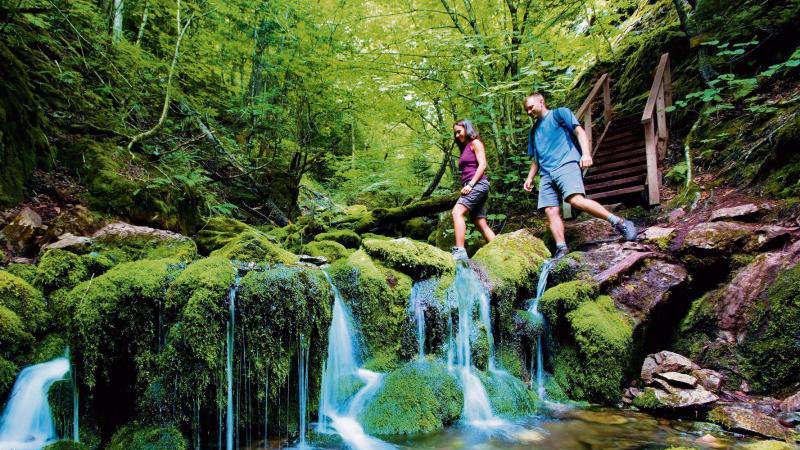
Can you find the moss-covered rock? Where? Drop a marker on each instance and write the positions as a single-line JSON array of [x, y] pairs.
[[60, 269], [134, 437], [134, 248], [14, 336], [24, 300], [329, 249], [566, 297], [416, 259], [66, 445], [217, 232], [8, 372], [378, 298], [508, 395], [419, 397], [25, 271], [348, 238], [254, 246], [768, 445], [47, 348]]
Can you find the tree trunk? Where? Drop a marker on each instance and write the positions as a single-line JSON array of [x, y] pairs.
[[439, 173], [386, 216], [116, 24], [144, 23], [707, 72]]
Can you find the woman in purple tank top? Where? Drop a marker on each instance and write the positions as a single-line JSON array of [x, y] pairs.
[[475, 188]]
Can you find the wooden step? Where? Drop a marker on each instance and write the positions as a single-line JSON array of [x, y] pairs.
[[616, 192], [592, 176], [622, 137], [620, 164], [610, 157], [610, 150], [616, 182]]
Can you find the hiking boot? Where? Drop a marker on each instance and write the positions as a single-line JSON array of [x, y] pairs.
[[626, 229], [459, 253], [560, 253]]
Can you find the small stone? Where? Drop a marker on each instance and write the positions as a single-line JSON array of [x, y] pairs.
[[655, 233], [676, 215], [600, 417], [678, 379], [529, 436], [741, 212], [21, 233], [709, 379], [709, 440], [313, 260]]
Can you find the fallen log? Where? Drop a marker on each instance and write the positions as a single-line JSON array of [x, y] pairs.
[[381, 217]]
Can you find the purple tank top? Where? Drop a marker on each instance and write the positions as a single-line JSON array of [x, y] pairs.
[[468, 164]]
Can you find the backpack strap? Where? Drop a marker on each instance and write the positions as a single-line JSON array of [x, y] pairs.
[[562, 121], [532, 140]]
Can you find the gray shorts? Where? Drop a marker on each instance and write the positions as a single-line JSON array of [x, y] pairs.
[[560, 184], [475, 201]]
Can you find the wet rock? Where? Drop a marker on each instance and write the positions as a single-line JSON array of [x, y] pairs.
[[600, 417], [529, 436], [709, 379], [610, 261], [666, 361], [719, 237], [744, 420], [69, 241], [22, 232], [678, 379], [679, 398], [658, 235], [313, 260], [711, 441], [769, 445], [650, 286], [791, 403], [585, 232], [737, 297], [741, 212], [768, 237]]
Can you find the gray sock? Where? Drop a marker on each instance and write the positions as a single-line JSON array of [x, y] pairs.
[[561, 245], [614, 219]]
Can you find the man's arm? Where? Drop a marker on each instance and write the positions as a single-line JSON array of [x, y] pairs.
[[586, 151], [528, 186]]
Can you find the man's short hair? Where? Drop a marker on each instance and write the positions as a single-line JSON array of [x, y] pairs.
[[535, 94]]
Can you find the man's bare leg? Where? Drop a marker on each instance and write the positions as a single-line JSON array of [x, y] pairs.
[[483, 227], [589, 205], [553, 214]]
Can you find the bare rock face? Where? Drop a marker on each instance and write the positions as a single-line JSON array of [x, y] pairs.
[[678, 379], [587, 231], [665, 361], [718, 237], [748, 421], [768, 237], [122, 230], [69, 241], [22, 232], [609, 261], [791, 403], [737, 297], [745, 212], [682, 398], [652, 284]]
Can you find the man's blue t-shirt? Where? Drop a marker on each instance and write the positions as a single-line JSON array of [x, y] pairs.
[[554, 147]]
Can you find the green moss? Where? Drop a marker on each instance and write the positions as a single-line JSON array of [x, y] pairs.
[[510, 360], [116, 316], [218, 231], [768, 445], [770, 356], [62, 269], [25, 271], [417, 398], [329, 249], [348, 238], [417, 228], [602, 335], [66, 445], [8, 373], [127, 249], [22, 298], [697, 328], [50, 347], [566, 297], [566, 269], [508, 395], [133, 437], [254, 246], [647, 401], [413, 258], [378, 298], [14, 336]]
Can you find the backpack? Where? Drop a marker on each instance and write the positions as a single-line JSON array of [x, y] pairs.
[[562, 122]]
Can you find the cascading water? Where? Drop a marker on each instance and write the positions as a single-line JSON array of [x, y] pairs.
[[466, 289], [421, 294], [302, 379], [27, 422], [341, 367], [534, 310], [229, 362]]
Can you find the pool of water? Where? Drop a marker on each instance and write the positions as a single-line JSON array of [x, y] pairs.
[[566, 428]]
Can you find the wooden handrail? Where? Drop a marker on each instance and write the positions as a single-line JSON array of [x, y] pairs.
[[654, 121]]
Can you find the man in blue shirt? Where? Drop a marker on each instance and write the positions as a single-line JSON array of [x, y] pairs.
[[560, 163]]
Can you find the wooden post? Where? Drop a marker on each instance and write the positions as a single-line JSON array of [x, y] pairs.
[[587, 122], [608, 110], [661, 124], [653, 180], [667, 82]]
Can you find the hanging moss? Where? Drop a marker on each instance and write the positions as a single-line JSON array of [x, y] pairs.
[[23, 299], [348, 238], [378, 298], [420, 397], [254, 246], [133, 437]]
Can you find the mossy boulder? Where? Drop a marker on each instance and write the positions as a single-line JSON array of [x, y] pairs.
[[8, 373], [378, 298], [217, 232], [254, 246], [14, 335], [590, 363], [348, 238], [133, 437], [509, 396], [415, 259], [61, 269], [24, 300], [566, 297], [66, 445], [419, 397], [25, 271], [331, 250]]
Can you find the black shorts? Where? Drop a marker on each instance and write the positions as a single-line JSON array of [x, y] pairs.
[[475, 201]]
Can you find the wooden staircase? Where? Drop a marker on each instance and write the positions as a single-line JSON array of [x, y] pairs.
[[627, 151]]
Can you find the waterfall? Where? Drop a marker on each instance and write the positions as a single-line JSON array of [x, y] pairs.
[[27, 422], [421, 294], [339, 371], [534, 310], [466, 289], [302, 380], [229, 362]]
